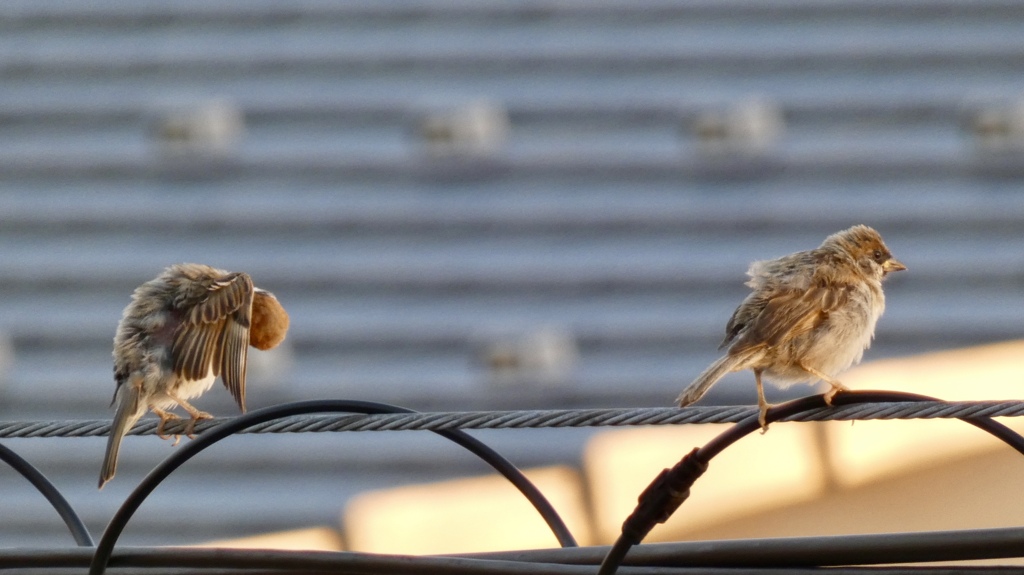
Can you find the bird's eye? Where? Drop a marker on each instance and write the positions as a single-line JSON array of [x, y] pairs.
[[879, 256]]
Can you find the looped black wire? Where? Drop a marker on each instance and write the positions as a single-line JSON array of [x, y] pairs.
[[74, 523], [671, 487], [120, 519]]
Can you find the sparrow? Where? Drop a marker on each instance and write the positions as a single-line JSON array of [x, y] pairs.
[[180, 332], [810, 315]]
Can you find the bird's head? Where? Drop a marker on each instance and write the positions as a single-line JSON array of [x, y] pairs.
[[865, 246], [269, 321]]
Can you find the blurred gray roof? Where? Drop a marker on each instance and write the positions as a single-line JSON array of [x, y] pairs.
[[599, 217]]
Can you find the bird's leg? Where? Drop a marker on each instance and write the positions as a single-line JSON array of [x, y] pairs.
[[164, 416], [196, 416], [837, 386], [762, 404]]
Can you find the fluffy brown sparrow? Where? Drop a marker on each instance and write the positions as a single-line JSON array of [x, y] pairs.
[[180, 331], [811, 315]]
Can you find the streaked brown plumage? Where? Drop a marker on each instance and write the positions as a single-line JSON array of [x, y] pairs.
[[810, 316], [180, 332]]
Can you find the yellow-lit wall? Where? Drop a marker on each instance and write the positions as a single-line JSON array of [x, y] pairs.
[[797, 479], [837, 477], [465, 515]]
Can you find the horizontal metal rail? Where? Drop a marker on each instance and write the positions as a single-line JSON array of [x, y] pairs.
[[801, 555]]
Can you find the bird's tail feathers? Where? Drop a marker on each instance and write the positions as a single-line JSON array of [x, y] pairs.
[[709, 377], [126, 414]]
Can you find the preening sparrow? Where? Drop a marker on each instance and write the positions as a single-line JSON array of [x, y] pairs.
[[810, 316], [180, 331]]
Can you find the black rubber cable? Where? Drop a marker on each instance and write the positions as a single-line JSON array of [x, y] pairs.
[[671, 488], [208, 438], [74, 523]]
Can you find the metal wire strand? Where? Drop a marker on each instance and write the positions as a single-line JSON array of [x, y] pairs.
[[439, 421], [815, 551]]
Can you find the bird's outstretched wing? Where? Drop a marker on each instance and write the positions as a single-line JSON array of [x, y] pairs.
[[213, 337]]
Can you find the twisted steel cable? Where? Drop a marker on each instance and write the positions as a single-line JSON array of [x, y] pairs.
[[613, 417]]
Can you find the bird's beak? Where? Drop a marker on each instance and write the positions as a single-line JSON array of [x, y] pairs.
[[893, 265]]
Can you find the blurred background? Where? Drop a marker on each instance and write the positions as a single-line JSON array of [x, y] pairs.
[[474, 205]]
